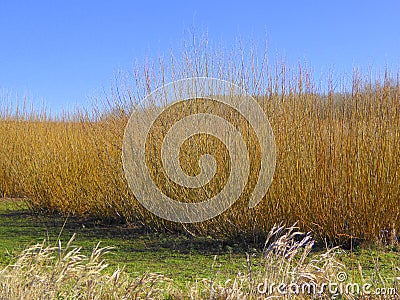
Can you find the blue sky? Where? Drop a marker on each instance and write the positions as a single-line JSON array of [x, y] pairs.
[[64, 52]]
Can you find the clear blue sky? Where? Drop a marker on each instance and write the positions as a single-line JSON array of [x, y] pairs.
[[63, 52]]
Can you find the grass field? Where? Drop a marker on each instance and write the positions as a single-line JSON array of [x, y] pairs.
[[337, 177], [336, 174], [185, 260], [180, 256]]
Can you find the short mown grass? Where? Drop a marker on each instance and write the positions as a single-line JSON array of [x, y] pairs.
[[185, 260], [180, 256]]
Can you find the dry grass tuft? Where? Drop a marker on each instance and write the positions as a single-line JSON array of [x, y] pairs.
[[48, 272], [285, 261], [286, 269]]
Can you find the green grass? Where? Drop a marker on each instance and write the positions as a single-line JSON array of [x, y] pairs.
[[182, 258]]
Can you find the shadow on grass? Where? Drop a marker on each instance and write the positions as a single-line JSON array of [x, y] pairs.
[[17, 222]]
